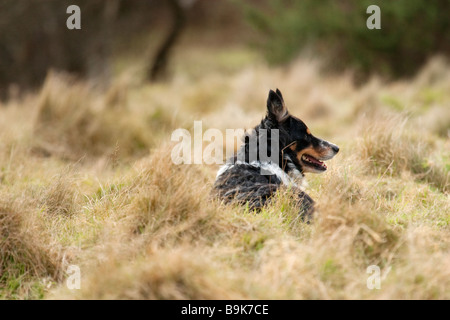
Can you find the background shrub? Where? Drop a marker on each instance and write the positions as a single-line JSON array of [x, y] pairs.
[[337, 29]]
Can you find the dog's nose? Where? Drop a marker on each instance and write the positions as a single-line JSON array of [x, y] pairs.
[[335, 148]]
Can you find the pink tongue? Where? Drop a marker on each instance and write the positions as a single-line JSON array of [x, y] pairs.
[[315, 161]]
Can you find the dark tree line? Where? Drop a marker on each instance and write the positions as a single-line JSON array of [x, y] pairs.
[[34, 37]]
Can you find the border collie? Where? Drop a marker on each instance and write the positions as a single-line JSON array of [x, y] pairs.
[[242, 180]]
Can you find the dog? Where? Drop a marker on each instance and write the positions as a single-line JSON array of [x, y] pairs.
[[241, 180]]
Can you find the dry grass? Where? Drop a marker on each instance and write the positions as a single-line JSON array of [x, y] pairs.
[[78, 123], [86, 179], [391, 149], [28, 259]]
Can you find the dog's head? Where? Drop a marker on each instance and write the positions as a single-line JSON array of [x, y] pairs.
[[306, 151]]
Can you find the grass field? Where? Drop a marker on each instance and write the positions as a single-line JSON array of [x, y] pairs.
[[86, 179]]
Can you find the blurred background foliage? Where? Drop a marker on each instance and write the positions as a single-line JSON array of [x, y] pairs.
[[411, 31], [34, 38]]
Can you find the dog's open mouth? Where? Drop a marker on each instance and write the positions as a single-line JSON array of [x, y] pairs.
[[313, 162]]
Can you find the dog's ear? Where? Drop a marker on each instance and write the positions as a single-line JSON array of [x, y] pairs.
[[276, 109], [280, 95]]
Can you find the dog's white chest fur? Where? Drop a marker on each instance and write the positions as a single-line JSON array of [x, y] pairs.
[[295, 179]]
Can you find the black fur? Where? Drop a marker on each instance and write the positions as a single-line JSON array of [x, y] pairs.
[[243, 182]]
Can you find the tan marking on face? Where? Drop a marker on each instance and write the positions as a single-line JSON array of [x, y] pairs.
[[308, 131], [318, 153], [311, 151], [293, 146]]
